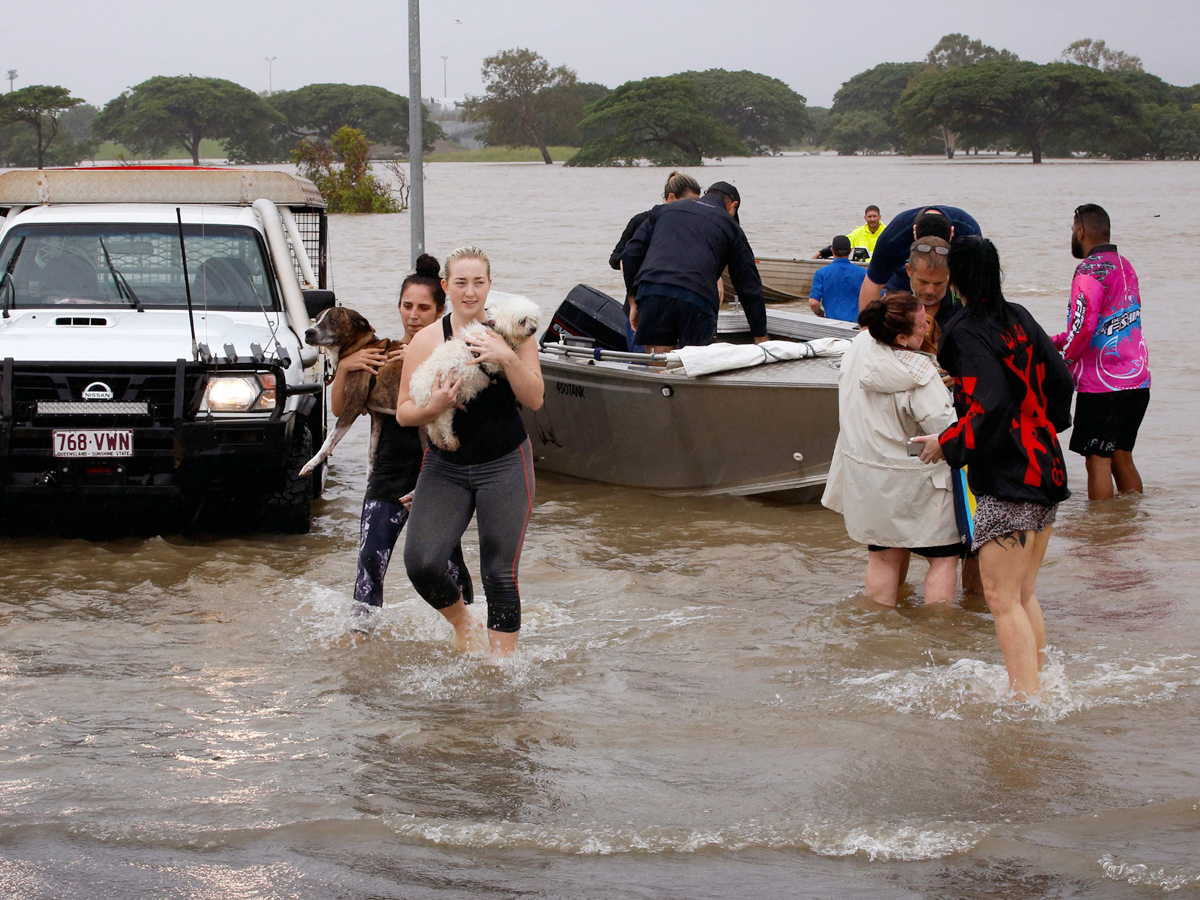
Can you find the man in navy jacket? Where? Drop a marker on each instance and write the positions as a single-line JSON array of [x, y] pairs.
[[673, 264]]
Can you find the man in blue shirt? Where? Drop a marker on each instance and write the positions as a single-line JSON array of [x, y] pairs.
[[886, 272], [835, 287]]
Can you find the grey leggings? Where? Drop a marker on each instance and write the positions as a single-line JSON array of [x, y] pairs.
[[501, 493]]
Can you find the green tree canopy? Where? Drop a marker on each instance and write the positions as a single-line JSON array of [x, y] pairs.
[[873, 92], [1098, 55], [1024, 100], [320, 110], [1152, 89], [571, 100], [77, 121], [40, 106], [818, 118], [856, 131], [663, 120], [524, 100], [766, 113], [951, 51], [165, 112]]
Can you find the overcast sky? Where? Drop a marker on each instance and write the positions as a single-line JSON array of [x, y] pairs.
[[99, 49]]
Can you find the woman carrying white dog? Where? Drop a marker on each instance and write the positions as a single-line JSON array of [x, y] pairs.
[[491, 472], [397, 455]]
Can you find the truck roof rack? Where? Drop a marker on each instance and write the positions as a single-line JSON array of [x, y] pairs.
[[156, 184]]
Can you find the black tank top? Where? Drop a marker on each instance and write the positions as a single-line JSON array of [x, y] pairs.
[[397, 461], [490, 427]]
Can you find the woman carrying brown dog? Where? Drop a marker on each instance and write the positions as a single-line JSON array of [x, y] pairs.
[[491, 472], [397, 454]]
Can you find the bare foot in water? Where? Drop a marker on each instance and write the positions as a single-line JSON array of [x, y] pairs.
[[460, 617]]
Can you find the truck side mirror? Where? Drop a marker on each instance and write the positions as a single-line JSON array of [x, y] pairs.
[[317, 301]]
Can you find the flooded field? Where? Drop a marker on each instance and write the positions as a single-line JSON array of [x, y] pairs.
[[699, 709]]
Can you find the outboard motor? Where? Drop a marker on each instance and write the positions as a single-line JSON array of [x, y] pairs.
[[588, 317]]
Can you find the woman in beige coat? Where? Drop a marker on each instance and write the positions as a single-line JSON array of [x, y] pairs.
[[893, 502]]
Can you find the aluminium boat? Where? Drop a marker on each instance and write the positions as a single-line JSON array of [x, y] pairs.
[[766, 431], [784, 280]]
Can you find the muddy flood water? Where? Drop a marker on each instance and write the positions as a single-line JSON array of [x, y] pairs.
[[699, 709]]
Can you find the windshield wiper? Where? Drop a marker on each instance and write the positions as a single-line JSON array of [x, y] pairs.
[[124, 291], [7, 277]]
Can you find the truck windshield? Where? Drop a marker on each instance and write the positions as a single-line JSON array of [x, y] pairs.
[[128, 265]]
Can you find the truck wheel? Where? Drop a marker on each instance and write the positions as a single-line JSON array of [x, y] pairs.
[[288, 509]]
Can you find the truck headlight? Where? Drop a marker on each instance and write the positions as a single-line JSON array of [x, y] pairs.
[[240, 393]]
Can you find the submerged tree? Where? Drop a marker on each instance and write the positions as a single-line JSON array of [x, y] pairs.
[[951, 51], [320, 110], [1023, 100], [767, 114], [869, 96], [524, 100], [349, 187], [41, 107], [663, 120], [166, 112], [852, 132]]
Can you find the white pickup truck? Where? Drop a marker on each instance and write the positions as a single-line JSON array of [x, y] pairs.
[[152, 353]]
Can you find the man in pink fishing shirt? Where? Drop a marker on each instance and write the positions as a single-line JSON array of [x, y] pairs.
[[1105, 349]]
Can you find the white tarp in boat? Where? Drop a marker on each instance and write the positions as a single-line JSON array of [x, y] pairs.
[[723, 357]]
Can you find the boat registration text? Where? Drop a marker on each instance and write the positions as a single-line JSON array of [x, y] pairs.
[[92, 442]]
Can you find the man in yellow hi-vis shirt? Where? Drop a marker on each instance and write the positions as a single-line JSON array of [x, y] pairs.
[[864, 235], [867, 234]]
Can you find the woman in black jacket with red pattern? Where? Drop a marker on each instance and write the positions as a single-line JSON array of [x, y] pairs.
[[1013, 397]]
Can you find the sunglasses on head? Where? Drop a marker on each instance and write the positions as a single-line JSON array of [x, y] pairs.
[[929, 248]]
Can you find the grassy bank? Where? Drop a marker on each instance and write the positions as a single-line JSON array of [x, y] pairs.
[[502, 154]]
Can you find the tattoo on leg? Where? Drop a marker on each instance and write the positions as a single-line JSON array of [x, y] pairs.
[[1012, 539]]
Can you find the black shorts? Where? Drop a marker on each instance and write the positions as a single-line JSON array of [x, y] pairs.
[[928, 552], [1108, 422], [668, 322]]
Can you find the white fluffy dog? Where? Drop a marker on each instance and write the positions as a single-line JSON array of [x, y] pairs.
[[515, 319]]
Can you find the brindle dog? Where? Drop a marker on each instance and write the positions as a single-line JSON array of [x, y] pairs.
[[343, 331]]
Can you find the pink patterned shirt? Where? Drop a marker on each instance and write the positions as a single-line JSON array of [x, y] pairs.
[[1103, 343]]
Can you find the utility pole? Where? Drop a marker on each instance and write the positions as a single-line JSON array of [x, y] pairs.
[[12, 76], [416, 139], [445, 90], [270, 60]]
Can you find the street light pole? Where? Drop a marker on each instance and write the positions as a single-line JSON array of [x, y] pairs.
[[445, 90], [270, 60], [416, 139]]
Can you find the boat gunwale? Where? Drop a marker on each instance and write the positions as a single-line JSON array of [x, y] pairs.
[[747, 376]]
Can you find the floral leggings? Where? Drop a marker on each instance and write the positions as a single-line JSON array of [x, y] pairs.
[[382, 522]]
